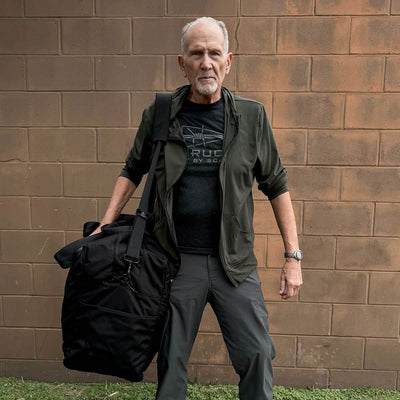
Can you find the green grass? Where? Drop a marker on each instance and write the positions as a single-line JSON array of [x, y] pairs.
[[19, 389]]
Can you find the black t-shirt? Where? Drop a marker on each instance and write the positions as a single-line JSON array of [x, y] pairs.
[[197, 211]]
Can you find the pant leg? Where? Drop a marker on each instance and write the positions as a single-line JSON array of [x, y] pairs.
[[189, 292], [243, 319]]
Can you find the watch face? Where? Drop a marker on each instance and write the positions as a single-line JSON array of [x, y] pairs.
[[298, 254]]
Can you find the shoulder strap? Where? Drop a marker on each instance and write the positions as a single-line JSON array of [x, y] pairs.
[[160, 137]]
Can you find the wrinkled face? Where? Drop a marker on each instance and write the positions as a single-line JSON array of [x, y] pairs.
[[205, 63]]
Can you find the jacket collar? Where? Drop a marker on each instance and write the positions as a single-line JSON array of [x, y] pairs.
[[181, 93]]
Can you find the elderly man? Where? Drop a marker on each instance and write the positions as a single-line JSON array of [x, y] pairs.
[[218, 144]]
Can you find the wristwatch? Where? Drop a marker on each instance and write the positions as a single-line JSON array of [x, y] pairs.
[[297, 255]]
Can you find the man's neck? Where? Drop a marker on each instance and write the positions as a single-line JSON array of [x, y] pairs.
[[198, 98]]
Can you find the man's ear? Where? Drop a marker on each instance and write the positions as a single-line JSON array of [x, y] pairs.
[[182, 65], [228, 63]]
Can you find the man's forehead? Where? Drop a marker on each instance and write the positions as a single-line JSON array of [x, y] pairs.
[[204, 32]]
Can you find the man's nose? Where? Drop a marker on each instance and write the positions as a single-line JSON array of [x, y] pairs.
[[206, 62]]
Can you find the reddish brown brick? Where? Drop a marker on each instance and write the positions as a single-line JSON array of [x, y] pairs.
[[301, 377], [298, 35], [355, 320], [38, 370], [223, 375], [260, 247], [130, 73], [382, 354], [387, 219], [60, 213], [376, 379], [14, 213], [29, 109], [264, 219], [209, 348], [373, 111], [15, 279], [83, 179], [332, 218], [58, 8], [370, 184], [291, 145], [325, 183], [128, 8], [65, 144], [319, 252], [96, 36], [146, 42], [285, 347], [375, 35], [299, 318], [334, 287], [70, 236], [395, 7], [96, 109], [206, 7], [209, 322], [392, 74], [17, 343], [256, 36], [30, 179], [60, 73], [345, 73], [13, 144], [49, 279], [30, 246], [390, 148], [265, 7], [114, 144], [130, 207], [140, 100], [175, 78], [12, 8], [48, 344], [325, 352], [28, 311], [368, 254], [384, 288], [12, 73], [262, 97], [343, 147], [28, 36], [273, 73], [308, 110], [357, 7], [275, 252]]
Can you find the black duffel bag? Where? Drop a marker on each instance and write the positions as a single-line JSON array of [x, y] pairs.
[[116, 294]]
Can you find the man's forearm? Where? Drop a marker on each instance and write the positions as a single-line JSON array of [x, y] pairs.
[[123, 191], [284, 215]]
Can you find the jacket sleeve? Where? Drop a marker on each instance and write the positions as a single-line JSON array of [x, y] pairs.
[[138, 161], [269, 172]]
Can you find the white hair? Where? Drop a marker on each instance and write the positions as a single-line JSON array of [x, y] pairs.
[[204, 19]]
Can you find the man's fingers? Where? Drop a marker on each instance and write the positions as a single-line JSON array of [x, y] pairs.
[[283, 286]]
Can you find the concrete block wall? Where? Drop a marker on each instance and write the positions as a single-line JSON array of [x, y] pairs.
[[74, 78]]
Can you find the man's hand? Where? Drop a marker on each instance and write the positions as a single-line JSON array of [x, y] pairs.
[[291, 279]]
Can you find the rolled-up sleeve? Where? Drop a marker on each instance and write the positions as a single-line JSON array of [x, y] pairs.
[[138, 161], [269, 171]]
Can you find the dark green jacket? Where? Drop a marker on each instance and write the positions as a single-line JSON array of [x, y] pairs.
[[249, 152]]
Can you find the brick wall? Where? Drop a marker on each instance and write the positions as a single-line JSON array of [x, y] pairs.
[[74, 78]]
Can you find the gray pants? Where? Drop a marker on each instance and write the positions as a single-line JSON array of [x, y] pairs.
[[243, 319]]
